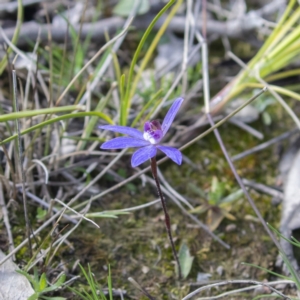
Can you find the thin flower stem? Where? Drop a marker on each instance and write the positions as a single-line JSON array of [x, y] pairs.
[[167, 217]]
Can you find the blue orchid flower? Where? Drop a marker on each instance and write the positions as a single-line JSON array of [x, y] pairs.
[[148, 141]]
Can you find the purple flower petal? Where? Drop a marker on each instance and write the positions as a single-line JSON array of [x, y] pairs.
[[124, 142], [172, 153], [171, 115], [124, 130], [143, 154]]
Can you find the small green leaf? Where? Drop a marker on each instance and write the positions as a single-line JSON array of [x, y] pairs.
[[60, 281], [125, 7], [106, 214], [43, 282], [232, 197], [56, 285], [122, 172], [185, 260], [216, 192], [266, 118], [131, 187], [32, 280], [41, 213], [35, 296], [200, 209]]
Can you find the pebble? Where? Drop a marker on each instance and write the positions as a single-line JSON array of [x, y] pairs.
[[230, 228]]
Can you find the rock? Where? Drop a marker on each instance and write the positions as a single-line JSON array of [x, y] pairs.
[[230, 228], [290, 173], [203, 277], [220, 270], [248, 114], [13, 286]]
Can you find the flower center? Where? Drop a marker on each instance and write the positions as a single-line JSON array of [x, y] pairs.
[[153, 132]]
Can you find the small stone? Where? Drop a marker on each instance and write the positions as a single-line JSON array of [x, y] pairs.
[[281, 286], [262, 289], [220, 270], [14, 286], [145, 269], [203, 277], [206, 161], [230, 228]]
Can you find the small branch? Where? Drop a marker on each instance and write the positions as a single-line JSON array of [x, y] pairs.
[[139, 287], [16, 104], [76, 213], [6, 219], [247, 128], [194, 293], [263, 188], [204, 54], [48, 206], [265, 144]]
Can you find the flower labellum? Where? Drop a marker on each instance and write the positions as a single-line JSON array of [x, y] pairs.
[[153, 132], [148, 141]]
